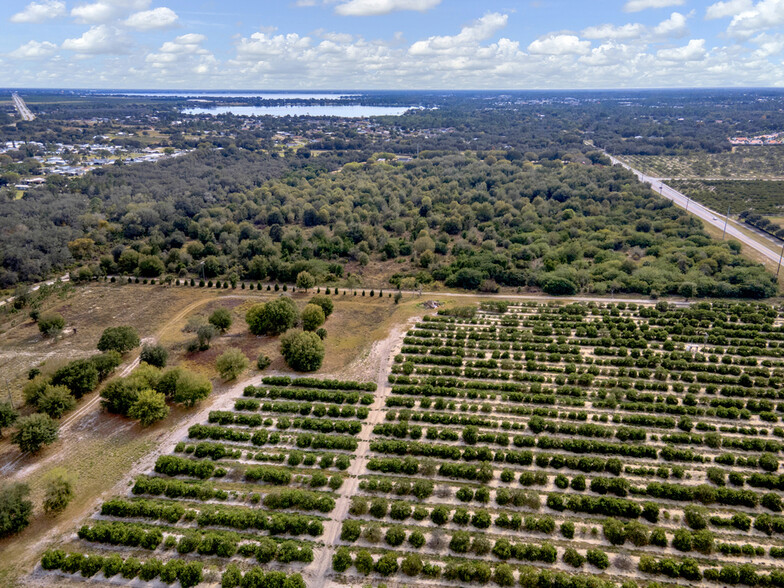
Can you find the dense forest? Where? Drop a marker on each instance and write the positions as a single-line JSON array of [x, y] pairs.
[[474, 191], [467, 221]]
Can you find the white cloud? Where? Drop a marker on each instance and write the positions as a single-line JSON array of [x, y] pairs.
[[762, 16], [34, 50], [608, 31], [619, 56], [104, 11], [727, 8], [184, 44], [99, 40], [768, 45], [157, 18], [675, 26], [185, 53], [36, 12], [559, 45], [694, 51], [479, 30], [639, 5], [376, 7]]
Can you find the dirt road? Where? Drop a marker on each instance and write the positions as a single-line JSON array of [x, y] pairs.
[[380, 360]]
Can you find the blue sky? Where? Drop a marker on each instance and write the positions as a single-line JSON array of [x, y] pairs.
[[391, 44]]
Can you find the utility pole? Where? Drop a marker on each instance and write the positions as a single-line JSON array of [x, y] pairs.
[[726, 219], [780, 257]]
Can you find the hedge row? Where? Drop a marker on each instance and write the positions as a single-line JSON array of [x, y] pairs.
[[188, 574]]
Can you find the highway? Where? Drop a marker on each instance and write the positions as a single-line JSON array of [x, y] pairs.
[[24, 112], [710, 216]]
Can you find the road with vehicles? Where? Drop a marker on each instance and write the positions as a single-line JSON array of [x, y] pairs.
[[21, 107], [712, 217]]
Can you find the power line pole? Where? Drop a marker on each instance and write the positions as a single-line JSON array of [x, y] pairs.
[[726, 219], [780, 258]]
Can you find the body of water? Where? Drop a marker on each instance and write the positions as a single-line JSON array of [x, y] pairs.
[[259, 95], [346, 111]]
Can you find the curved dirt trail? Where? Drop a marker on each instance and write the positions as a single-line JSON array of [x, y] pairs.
[[380, 360]]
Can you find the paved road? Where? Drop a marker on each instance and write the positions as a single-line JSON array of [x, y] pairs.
[[710, 216], [24, 112]]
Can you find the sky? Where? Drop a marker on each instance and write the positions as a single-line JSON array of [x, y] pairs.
[[391, 44]]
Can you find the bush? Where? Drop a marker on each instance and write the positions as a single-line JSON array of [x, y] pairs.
[[35, 431], [58, 492], [263, 362], [363, 562], [351, 531], [51, 324], [598, 558], [411, 565], [79, 376], [573, 558], [386, 564], [8, 416], [120, 339], [312, 317], [15, 508], [221, 319], [325, 302], [149, 407], [305, 281], [303, 351], [395, 536], [231, 364], [341, 560], [272, 318], [191, 388], [155, 355], [56, 401]]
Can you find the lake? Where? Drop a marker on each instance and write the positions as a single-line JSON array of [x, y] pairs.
[[343, 110], [259, 95]]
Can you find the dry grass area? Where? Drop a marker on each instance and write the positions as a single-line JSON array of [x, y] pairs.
[[100, 449]]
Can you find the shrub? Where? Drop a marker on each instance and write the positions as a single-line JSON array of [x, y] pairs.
[[325, 302], [341, 560], [58, 492], [56, 401], [363, 562], [386, 564], [51, 324], [221, 319], [263, 362], [15, 508], [231, 364], [573, 558], [272, 318], [303, 351], [35, 431], [312, 317], [411, 565], [79, 376], [395, 536], [155, 355], [8, 416], [120, 339], [149, 407], [598, 558], [351, 530]]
